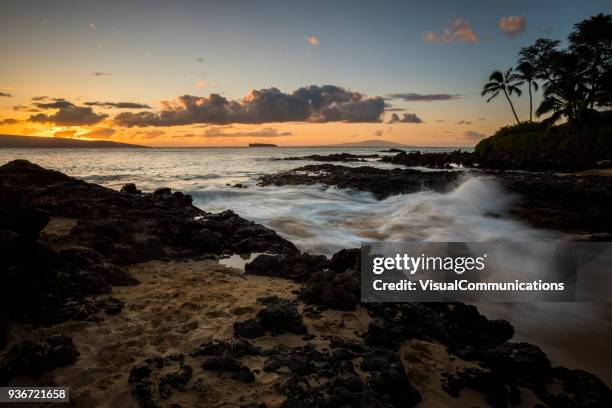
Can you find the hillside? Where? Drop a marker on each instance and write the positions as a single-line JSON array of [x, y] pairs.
[[33, 142]]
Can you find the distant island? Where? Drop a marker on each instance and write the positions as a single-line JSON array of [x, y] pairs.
[[33, 142], [371, 143], [262, 145]]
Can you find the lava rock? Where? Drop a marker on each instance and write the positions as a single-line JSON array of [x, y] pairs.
[[444, 160], [296, 267], [339, 291], [249, 328], [37, 356], [157, 377], [279, 316], [381, 182], [130, 188], [226, 363]]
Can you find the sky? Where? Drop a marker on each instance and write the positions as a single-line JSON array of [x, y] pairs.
[[209, 73]]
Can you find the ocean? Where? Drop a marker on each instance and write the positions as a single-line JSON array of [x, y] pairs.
[[321, 219]]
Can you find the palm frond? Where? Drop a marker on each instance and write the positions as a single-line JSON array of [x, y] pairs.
[[493, 96], [496, 76]]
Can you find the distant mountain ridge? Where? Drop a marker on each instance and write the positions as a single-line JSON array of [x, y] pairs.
[[370, 143], [34, 142]]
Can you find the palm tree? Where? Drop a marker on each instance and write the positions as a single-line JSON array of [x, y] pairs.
[[567, 94], [508, 83], [591, 41], [527, 73]]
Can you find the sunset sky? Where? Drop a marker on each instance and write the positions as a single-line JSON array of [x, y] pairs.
[[197, 73]]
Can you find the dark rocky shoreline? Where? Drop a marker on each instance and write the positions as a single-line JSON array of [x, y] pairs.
[[45, 279], [577, 204], [382, 182]]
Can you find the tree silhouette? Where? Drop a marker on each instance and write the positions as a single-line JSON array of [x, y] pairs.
[[591, 43], [527, 73], [508, 83], [566, 94]]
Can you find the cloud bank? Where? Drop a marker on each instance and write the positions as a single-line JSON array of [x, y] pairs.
[[68, 114], [318, 104]]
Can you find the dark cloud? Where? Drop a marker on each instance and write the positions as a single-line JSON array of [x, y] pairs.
[[198, 59], [57, 103], [5, 94], [406, 118], [40, 98], [414, 97], [474, 135], [395, 110], [464, 122], [217, 131], [327, 103], [100, 133], [482, 119], [101, 73], [119, 105], [8, 121], [23, 108], [68, 114]]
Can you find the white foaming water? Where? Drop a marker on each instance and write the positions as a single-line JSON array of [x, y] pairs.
[[324, 220]]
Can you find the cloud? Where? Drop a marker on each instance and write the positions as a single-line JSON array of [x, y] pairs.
[[378, 133], [6, 95], [217, 131], [482, 119], [100, 133], [200, 83], [40, 98], [58, 103], [93, 26], [23, 108], [457, 30], [65, 133], [512, 25], [313, 103], [150, 134], [68, 114], [8, 121], [474, 135], [312, 40], [101, 73], [406, 118], [464, 122], [198, 59], [119, 105], [414, 97]]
